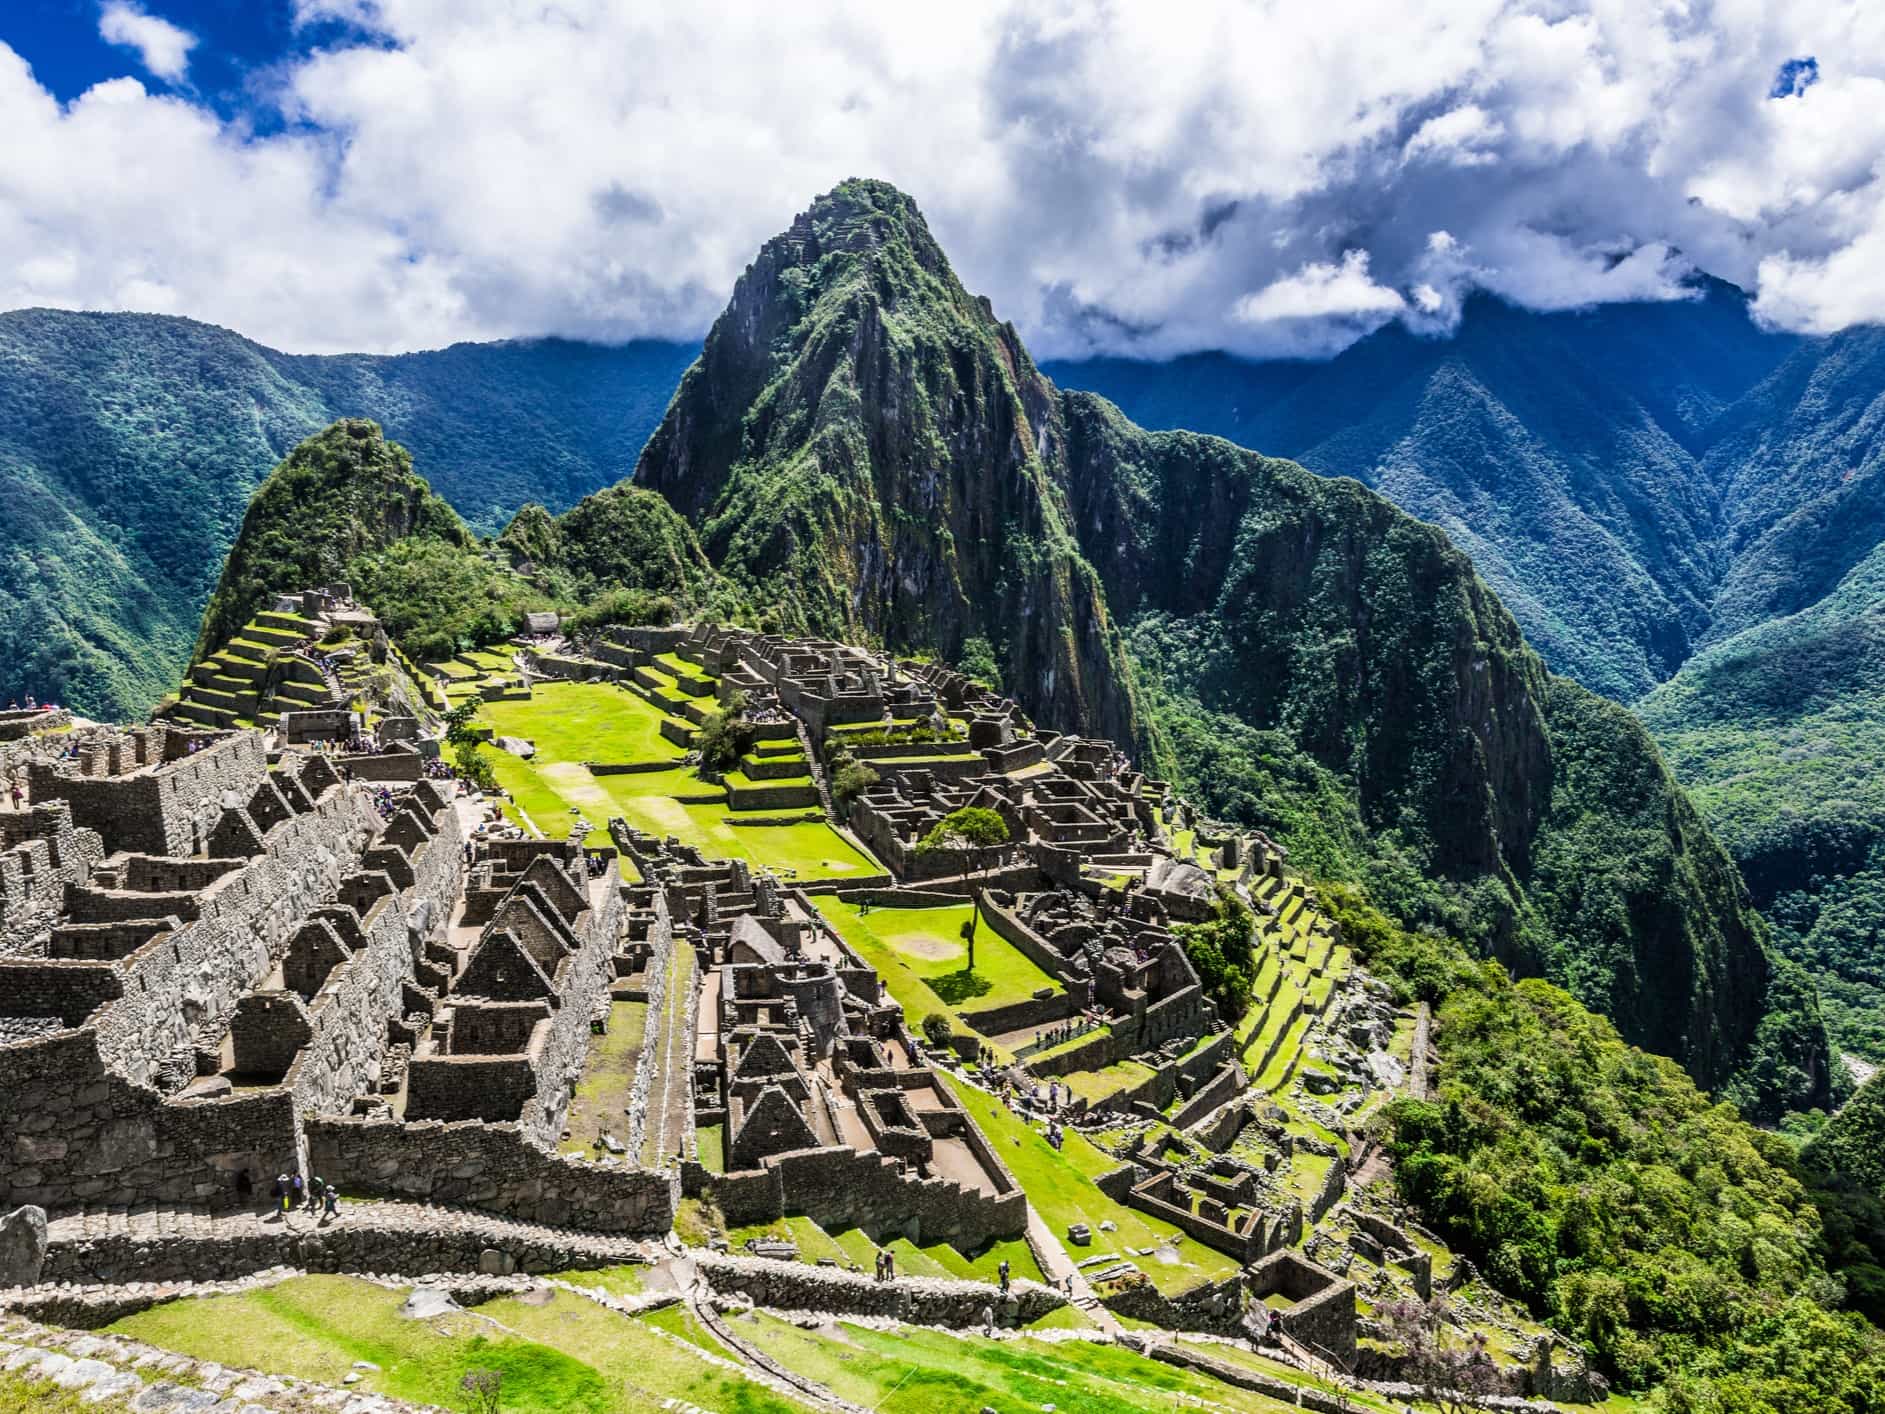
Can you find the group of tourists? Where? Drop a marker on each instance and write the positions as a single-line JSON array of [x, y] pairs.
[[288, 1193], [33, 704], [1081, 1025], [886, 1266]]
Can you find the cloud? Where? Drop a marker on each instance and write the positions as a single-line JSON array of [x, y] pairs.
[[1243, 174], [162, 47]]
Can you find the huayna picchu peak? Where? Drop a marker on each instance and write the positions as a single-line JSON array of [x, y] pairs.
[[1145, 898]]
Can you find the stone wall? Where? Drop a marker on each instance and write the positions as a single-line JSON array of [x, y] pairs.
[[190, 980], [491, 1167], [44, 851], [840, 1189], [158, 809], [926, 1301], [73, 1133], [585, 984]]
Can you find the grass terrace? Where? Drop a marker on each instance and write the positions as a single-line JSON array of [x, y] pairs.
[[564, 1354], [1059, 1185], [917, 1371], [926, 944]]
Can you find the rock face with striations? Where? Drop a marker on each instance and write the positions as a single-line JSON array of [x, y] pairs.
[[868, 451], [865, 445]]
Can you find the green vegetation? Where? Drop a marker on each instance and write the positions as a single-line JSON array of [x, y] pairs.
[[982, 835], [1779, 732], [930, 1372], [1220, 953], [568, 1354], [1059, 1183], [919, 953], [1597, 1184]]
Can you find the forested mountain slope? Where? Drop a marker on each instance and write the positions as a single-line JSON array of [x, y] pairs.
[[1673, 503], [867, 450], [130, 445], [1562, 452]]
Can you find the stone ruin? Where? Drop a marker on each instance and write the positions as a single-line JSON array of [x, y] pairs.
[[220, 962]]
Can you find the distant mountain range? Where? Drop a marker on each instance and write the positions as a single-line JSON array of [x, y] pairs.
[[1681, 510], [130, 444]]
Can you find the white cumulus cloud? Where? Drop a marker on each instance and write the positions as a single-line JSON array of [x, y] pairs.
[[1255, 175], [163, 48]]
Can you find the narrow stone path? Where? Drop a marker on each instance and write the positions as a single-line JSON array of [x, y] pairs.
[[670, 1086], [1423, 1025], [1057, 1266]]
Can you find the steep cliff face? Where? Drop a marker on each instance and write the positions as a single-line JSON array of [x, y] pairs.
[[869, 452], [866, 450], [1538, 816]]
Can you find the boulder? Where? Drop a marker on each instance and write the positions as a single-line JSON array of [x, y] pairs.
[[22, 1246]]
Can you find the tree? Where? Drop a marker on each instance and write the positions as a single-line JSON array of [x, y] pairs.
[[984, 835], [937, 1030], [1452, 1368], [850, 779], [483, 1390], [474, 766], [724, 735]]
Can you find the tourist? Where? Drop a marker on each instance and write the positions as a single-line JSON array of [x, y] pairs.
[[294, 1194], [19, 796], [332, 1202], [1002, 1273], [890, 1266], [284, 1194], [315, 1189]]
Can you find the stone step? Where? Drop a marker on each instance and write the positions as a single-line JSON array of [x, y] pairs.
[[273, 637], [291, 623]]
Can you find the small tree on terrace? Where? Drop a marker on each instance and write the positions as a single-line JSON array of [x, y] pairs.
[[983, 834]]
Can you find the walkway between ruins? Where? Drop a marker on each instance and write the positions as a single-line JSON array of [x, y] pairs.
[[1423, 1023], [671, 1083], [1057, 1266]]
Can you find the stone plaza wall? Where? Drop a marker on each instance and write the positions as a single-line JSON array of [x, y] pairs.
[[926, 1301], [491, 1167], [73, 1133]]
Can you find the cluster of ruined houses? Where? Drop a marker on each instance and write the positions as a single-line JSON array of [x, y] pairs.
[[221, 959]]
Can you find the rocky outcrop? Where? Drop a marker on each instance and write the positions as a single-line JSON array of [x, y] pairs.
[[866, 446]]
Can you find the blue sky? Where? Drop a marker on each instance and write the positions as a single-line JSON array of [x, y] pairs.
[[236, 41], [1264, 176]]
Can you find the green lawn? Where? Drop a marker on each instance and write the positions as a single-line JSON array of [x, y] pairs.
[[608, 1078], [568, 1354], [926, 943], [915, 1371], [1059, 1184], [1094, 1086], [938, 1259], [585, 721]]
